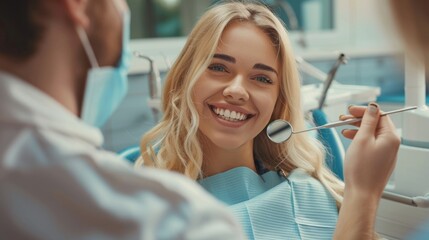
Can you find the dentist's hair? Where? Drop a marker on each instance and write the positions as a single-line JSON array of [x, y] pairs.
[[174, 143], [412, 20], [21, 28]]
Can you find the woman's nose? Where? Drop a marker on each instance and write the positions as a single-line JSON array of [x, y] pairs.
[[236, 90]]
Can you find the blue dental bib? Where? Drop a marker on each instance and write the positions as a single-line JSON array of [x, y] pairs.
[[270, 206]]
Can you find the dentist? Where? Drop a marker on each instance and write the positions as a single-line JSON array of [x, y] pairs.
[[412, 21], [63, 71]]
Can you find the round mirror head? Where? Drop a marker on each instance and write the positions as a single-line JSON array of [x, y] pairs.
[[279, 131]]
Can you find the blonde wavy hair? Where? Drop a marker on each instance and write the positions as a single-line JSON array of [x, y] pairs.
[[174, 143]]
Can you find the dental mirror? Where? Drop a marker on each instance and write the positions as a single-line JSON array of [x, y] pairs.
[[281, 130]]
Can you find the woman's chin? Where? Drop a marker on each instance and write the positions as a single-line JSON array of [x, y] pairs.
[[228, 144]]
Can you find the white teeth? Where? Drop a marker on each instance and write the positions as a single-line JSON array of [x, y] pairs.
[[230, 115], [227, 113]]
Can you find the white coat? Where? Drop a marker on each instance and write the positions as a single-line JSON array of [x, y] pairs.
[[57, 183]]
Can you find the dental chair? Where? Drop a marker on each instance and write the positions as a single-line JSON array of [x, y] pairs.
[[329, 137], [331, 140]]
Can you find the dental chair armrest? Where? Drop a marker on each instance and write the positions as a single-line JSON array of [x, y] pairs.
[[420, 201]]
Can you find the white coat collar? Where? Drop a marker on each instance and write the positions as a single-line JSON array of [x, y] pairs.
[[22, 104]]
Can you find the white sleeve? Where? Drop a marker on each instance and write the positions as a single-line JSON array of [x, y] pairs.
[[88, 198]]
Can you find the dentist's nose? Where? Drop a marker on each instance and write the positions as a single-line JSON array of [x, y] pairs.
[[236, 90]]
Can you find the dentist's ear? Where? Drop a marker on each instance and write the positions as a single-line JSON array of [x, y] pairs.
[[76, 10]]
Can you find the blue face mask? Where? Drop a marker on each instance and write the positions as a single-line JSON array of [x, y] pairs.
[[105, 86]]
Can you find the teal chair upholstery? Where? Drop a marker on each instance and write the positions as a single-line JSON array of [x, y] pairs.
[[332, 142], [131, 154]]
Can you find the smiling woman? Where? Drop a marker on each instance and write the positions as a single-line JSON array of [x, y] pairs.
[[235, 74], [237, 59]]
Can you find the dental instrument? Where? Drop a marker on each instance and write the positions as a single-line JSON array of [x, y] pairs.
[[341, 60], [154, 85], [281, 130]]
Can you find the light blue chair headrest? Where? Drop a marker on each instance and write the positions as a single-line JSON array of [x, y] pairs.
[[131, 153], [332, 142]]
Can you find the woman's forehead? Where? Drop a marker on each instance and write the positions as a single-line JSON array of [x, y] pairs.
[[248, 41]]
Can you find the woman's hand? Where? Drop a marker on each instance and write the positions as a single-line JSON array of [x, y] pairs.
[[371, 157]]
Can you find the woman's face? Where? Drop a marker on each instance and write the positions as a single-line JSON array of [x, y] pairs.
[[236, 94]]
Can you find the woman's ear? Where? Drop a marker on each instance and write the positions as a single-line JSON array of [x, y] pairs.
[[76, 10]]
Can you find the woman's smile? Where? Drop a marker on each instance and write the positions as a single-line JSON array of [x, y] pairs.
[[230, 116]]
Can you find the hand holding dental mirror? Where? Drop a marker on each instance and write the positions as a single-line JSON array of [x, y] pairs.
[[281, 130]]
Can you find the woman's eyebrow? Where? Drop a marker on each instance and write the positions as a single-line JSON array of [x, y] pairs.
[[224, 57], [265, 67], [256, 66]]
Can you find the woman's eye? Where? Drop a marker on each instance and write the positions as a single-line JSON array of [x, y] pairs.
[[217, 68], [263, 79]]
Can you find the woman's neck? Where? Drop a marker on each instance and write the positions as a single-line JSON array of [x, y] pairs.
[[217, 160]]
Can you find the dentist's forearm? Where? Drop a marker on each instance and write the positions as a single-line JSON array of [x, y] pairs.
[[357, 216]]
